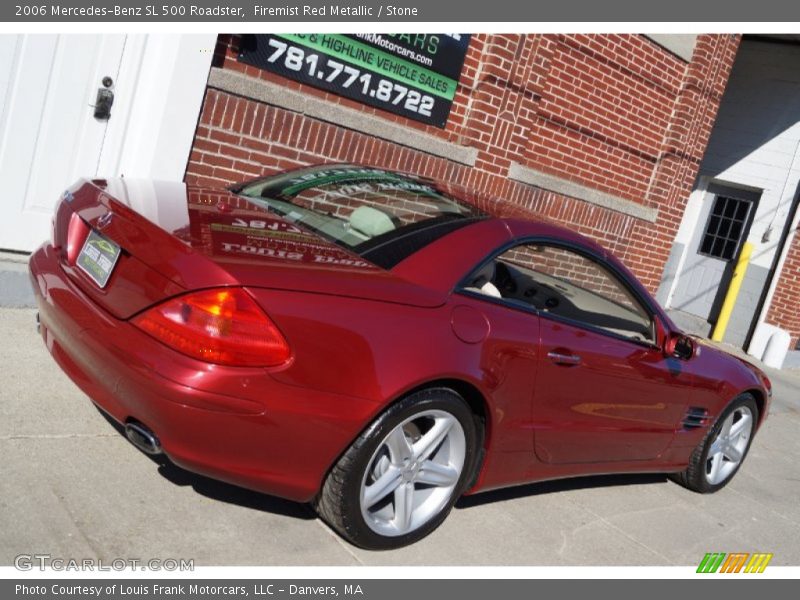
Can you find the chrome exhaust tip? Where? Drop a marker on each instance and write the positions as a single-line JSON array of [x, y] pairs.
[[141, 437]]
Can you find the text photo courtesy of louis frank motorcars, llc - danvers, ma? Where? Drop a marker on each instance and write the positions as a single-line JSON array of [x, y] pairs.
[[515, 299]]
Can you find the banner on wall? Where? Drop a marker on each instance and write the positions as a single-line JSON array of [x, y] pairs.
[[413, 75]]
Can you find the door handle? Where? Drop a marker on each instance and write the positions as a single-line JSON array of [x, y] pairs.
[[564, 359], [102, 106], [104, 100]]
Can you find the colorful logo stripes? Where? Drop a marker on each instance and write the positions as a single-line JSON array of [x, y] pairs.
[[734, 562]]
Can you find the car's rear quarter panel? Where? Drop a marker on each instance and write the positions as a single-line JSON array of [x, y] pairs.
[[382, 351], [235, 424]]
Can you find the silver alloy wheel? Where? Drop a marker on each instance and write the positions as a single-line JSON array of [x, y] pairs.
[[728, 448], [413, 473]]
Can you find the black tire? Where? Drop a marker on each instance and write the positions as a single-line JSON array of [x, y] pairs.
[[338, 503], [694, 477]]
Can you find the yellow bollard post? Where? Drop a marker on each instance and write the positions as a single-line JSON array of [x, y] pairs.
[[732, 293]]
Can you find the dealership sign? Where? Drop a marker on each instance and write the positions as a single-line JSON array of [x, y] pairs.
[[413, 75]]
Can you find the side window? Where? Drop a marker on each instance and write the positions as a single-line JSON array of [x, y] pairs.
[[564, 283]]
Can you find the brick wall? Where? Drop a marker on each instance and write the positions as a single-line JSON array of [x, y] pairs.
[[784, 311], [615, 113]]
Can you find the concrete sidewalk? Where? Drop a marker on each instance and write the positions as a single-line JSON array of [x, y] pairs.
[[73, 487]]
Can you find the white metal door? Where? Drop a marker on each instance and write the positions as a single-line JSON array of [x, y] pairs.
[[716, 242], [48, 133]]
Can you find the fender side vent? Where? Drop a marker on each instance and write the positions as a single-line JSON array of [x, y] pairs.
[[695, 417]]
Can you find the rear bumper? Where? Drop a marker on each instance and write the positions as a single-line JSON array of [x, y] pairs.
[[238, 425]]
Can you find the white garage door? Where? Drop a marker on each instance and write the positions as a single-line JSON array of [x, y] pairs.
[[49, 135]]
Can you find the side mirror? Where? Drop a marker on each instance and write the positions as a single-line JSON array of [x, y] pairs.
[[679, 346]]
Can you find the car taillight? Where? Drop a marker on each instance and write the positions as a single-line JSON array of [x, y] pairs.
[[77, 232], [222, 326]]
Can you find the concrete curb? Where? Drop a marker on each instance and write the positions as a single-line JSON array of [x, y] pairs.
[[15, 286]]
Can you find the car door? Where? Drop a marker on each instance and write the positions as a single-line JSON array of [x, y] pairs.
[[604, 391]]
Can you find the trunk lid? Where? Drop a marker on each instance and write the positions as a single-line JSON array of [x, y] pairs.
[[175, 238]]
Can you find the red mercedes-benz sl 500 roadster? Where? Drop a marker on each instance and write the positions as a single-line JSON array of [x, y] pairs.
[[377, 344]]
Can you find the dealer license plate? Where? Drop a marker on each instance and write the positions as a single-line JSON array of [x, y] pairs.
[[98, 258]]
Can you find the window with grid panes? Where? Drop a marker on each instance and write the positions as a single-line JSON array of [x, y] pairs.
[[725, 227]]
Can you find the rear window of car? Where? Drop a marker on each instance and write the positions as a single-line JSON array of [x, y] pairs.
[[382, 216]]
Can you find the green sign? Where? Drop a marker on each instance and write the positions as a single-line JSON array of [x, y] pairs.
[[414, 75]]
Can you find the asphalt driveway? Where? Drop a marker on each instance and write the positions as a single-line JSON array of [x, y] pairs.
[[73, 487]]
